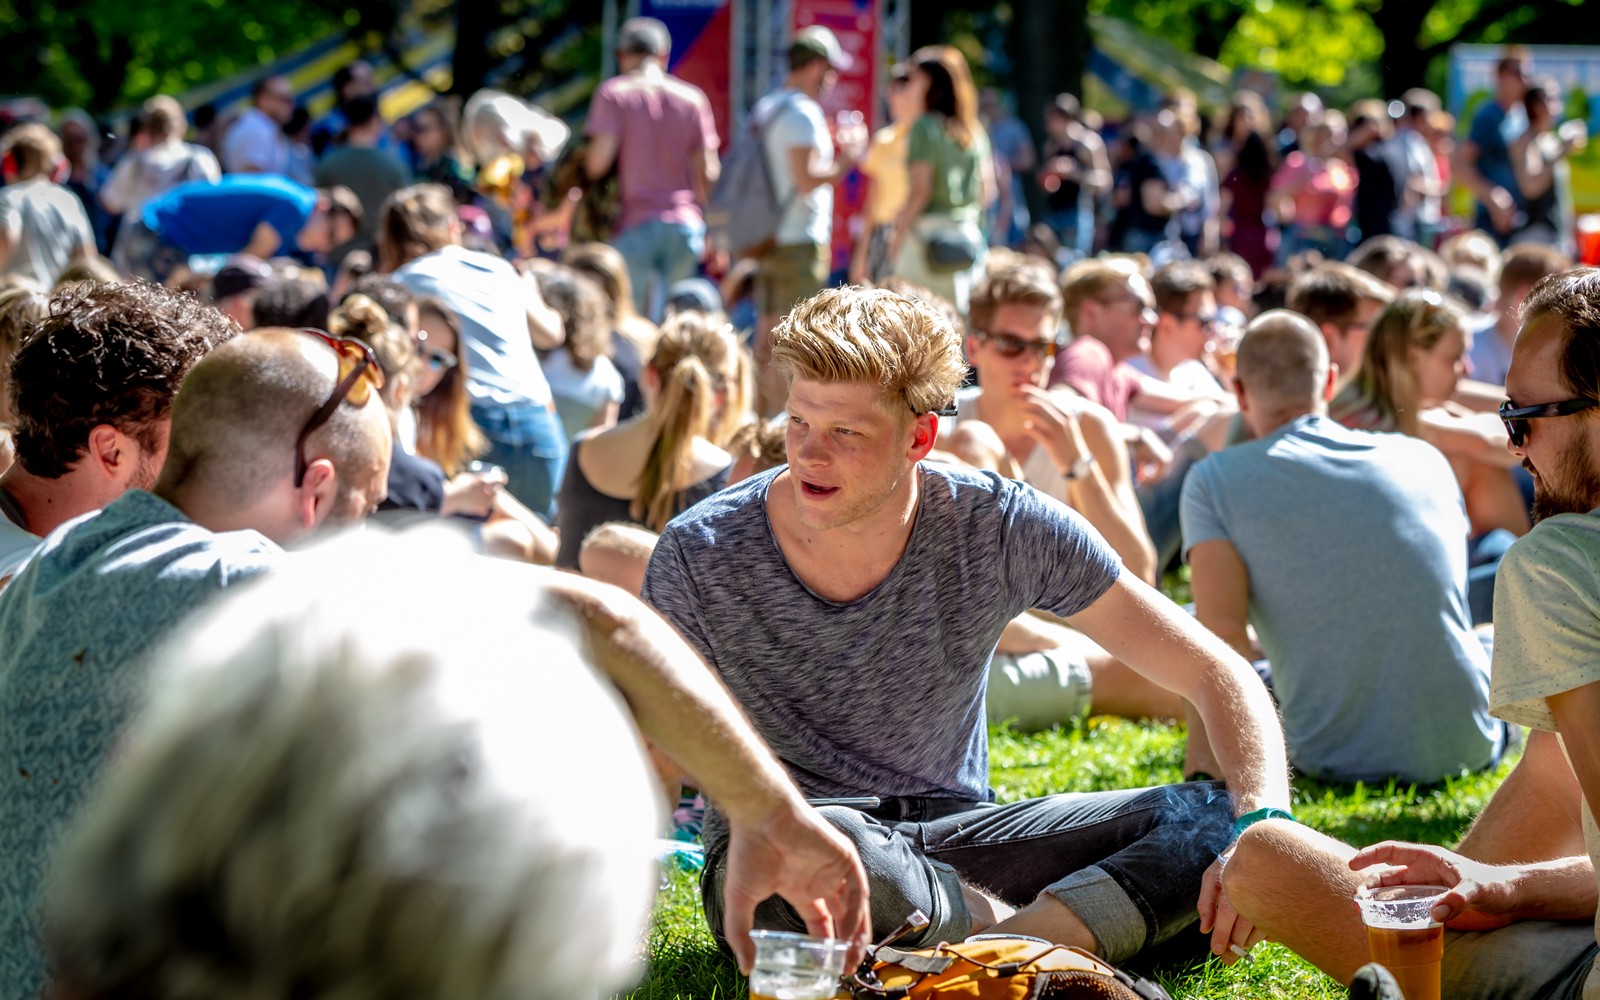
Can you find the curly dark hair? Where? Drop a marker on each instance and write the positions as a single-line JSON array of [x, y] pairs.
[[585, 312], [106, 354]]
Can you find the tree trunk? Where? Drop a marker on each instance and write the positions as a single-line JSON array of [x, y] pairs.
[[1400, 24], [1213, 26], [1050, 45], [928, 20], [470, 64]]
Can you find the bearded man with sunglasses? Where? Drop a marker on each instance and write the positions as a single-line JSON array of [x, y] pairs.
[[273, 434], [1520, 919]]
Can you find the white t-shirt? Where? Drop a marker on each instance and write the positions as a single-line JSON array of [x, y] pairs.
[[800, 122], [47, 227], [489, 297], [1038, 468], [581, 394], [1189, 376], [255, 143], [139, 177]]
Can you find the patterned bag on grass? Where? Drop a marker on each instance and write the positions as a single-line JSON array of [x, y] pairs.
[[998, 967]]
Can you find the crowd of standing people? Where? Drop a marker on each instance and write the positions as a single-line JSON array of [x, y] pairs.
[[816, 535]]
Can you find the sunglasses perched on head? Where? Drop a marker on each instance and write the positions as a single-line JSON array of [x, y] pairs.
[[1014, 347], [1516, 417], [359, 378]]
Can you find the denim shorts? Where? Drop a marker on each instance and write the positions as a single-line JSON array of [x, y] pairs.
[[528, 442], [1126, 863]]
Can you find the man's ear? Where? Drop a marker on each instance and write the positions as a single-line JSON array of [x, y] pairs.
[[112, 453], [314, 498], [1332, 383], [924, 432]]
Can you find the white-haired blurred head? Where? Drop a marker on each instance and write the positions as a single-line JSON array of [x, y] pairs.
[[494, 123], [329, 796]]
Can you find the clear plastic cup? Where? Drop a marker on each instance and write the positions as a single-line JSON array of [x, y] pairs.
[[1402, 935], [795, 967]]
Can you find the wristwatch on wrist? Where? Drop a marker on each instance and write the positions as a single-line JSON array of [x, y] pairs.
[[1079, 469]]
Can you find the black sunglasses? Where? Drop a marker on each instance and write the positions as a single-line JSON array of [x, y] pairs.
[[359, 378], [1207, 320], [1516, 417], [1015, 347]]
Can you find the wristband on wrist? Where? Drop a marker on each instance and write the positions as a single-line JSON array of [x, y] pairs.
[[1257, 815]]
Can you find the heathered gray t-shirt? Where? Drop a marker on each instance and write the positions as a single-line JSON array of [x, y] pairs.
[[883, 695], [1356, 546]]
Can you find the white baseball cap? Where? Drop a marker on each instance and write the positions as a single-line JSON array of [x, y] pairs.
[[824, 43]]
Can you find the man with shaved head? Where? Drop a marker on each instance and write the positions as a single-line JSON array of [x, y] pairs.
[[273, 434], [1347, 552]]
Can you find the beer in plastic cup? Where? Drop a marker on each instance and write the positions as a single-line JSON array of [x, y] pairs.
[[1403, 937], [795, 967]]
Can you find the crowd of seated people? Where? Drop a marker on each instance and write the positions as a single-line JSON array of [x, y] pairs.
[[815, 555]]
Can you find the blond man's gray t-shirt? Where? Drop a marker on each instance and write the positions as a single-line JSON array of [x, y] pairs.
[[883, 695]]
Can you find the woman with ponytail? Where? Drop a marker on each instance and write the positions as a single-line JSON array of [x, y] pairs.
[[649, 469]]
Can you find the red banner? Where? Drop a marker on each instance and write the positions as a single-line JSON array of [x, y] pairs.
[[857, 25], [701, 42]]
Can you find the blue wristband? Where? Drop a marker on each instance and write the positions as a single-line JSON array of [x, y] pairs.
[[1257, 815]]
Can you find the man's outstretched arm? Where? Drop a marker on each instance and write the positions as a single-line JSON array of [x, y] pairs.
[[1149, 633], [778, 845]]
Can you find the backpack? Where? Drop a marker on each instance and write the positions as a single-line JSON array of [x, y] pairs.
[[744, 204], [997, 967]]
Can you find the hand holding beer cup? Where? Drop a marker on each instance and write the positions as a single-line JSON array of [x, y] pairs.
[[1479, 896]]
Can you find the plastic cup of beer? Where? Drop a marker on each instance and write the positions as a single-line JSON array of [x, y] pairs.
[[795, 967], [1403, 937]]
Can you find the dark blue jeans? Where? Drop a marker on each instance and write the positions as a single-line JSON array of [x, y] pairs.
[[1127, 863], [528, 442]]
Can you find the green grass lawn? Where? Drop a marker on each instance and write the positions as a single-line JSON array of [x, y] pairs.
[[1108, 753]]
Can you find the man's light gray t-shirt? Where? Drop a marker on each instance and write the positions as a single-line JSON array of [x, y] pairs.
[[1356, 547], [75, 625], [883, 695], [793, 120]]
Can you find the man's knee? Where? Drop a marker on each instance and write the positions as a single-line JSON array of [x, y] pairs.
[[1268, 857]]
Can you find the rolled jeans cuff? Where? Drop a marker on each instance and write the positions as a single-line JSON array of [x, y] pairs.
[[1104, 906]]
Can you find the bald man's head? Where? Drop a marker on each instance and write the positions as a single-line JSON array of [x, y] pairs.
[[1283, 364], [239, 412]]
